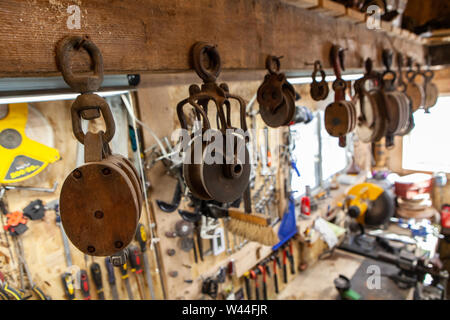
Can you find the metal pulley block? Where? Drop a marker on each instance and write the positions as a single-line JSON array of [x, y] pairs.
[[276, 96], [100, 201], [217, 162], [319, 90]]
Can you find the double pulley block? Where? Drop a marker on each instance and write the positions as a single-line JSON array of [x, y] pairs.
[[100, 201], [276, 96], [217, 163]]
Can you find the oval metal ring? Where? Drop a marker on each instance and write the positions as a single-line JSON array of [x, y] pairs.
[[80, 83], [207, 73], [273, 64], [92, 101]]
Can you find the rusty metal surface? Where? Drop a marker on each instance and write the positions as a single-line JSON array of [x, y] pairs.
[[202, 177], [100, 201], [276, 96]]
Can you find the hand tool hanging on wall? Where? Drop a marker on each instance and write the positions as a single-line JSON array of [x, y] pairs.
[[21, 157], [340, 116], [68, 285], [247, 285], [221, 170], [276, 96], [431, 90], [101, 200], [141, 238], [136, 268], [23, 263], [276, 265], [4, 212], [111, 278], [126, 279], [84, 285], [96, 274], [319, 90]]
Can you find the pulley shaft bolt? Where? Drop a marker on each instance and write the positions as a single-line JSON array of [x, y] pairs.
[[91, 249], [98, 214], [77, 174], [118, 244], [106, 171]]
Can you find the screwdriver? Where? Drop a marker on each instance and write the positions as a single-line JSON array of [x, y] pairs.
[[96, 273], [285, 275], [13, 292], [276, 263], [291, 258], [111, 278], [141, 238], [125, 277], [254, 276], [247, 285], [69, 289], [262, 269], [136, 266], [84, 284]]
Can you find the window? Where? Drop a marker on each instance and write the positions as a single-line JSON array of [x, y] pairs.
[[427, 147], [317, 154]]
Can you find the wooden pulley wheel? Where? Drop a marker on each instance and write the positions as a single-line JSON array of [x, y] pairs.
[[99, 208], [415, 92], [394, 112], [226, 180], [192, 170], [124, 164], [338, 118], [373, 109]]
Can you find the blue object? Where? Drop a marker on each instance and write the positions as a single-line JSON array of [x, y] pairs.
[[294, 165], [288, 226]]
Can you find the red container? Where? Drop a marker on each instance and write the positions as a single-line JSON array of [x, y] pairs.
[[445, 217], [412, 185]]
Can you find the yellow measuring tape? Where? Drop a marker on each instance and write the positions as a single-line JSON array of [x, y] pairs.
[[20, 157]]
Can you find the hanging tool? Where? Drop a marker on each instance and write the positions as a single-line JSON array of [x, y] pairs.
[[247, 285], [136, 267], [141, 238], [84, 285], [96, 274], [54, 205], [126, 279], [35, 210], [285, 273], [34, 189], [291, 257], [7, 292], [16, 223], [263, 270], [254, 275], [35, 289], [68, 284], [111, 278], [276, 264]]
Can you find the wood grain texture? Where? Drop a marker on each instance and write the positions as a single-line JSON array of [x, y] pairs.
[[156, 36]]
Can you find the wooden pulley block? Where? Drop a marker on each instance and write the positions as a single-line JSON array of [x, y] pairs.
[[100, 201], [217, 163], [276, 96], [338, 118], [394, 114], [99, 207], [414, 90]]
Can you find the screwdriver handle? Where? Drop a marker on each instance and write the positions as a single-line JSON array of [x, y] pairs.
[[13, 292], [141, 237], [124, 271], [110, 271], [247, 285], [84, 284], [135, 259], [96, 273], [41, 295], [69, 289]]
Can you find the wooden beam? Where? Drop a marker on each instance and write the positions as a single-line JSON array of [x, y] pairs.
[[155, 36]]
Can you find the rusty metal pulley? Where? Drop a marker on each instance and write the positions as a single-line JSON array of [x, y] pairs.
[[100, 201], [217, 161], [276, 96], [319, 90]]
